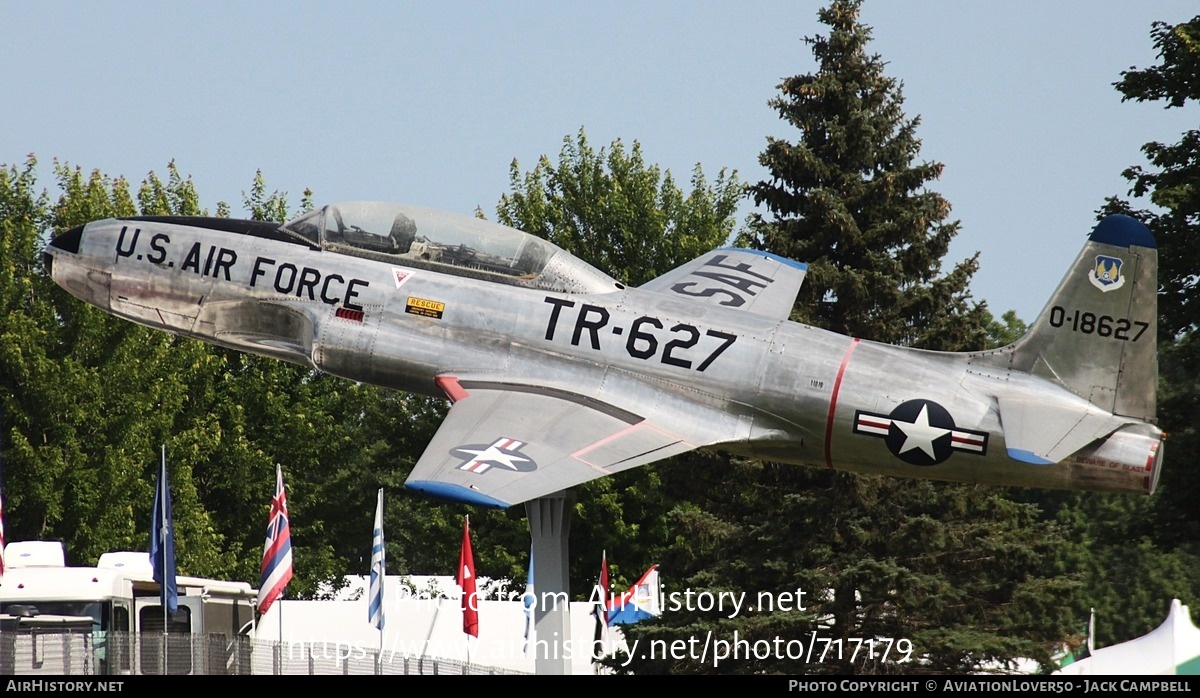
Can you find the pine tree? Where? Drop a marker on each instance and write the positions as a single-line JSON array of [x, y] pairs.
[[957, 577], [850, 200]]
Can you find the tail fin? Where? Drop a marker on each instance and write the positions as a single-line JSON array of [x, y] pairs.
[[1097, 335]]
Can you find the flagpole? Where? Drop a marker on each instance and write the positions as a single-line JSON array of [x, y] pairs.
[[277, 556], [600, 638], [162, 544], [467, 639], [466, 579], [376, 578], [437, 607], [382, 578]]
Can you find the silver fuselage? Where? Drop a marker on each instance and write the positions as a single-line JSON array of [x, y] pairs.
[[726, 378]]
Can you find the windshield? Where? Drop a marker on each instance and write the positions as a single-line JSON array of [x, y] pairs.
[[32, 610], [447, 242]]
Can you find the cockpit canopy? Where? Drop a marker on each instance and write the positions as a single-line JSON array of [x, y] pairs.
[[448, 243]]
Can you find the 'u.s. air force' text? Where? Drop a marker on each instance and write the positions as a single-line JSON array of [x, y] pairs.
[[218, 262]]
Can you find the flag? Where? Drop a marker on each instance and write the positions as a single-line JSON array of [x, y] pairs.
[[1091, 631], [639, 602], [529, 600], [601, 610], [375, 610], [162, 540], [466, 580], [277, 552], [1086, 649]]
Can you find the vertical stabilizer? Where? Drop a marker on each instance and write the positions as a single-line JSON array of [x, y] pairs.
[[1097, 335]]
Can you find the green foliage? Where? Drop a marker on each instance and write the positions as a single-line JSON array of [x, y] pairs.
[[613, 210], [1005, 331], [88, 400], [1176, 79], [1128, 577], [177, 197], [1170, 185], [263, 206]]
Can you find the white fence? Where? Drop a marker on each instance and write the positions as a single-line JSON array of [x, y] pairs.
[[77, 653]]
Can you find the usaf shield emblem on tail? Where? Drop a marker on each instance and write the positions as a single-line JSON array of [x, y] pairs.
[[1107, 274]]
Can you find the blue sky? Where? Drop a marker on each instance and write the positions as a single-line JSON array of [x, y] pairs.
[[429, 103]]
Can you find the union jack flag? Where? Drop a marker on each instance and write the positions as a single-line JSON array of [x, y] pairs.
[[277, 553]]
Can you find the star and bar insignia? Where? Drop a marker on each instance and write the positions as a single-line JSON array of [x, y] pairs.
[[920, 432]]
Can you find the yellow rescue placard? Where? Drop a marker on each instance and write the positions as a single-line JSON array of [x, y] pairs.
[[424, 307]]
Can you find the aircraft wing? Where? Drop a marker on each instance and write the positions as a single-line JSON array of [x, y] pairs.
[[736, 277], [503, 444]]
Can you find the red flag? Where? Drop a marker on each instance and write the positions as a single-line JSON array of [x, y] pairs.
[[466, 580], [603, 606]]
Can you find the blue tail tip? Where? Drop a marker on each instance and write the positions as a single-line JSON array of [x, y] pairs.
[[1122, 231]]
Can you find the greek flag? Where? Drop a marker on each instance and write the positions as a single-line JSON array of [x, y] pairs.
[[375, 611]]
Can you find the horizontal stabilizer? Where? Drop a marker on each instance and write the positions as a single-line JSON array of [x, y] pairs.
[[1043, 432]]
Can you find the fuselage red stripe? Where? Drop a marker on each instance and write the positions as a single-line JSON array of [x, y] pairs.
[[833, 397]]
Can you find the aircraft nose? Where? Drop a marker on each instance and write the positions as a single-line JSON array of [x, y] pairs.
[[67, 242]]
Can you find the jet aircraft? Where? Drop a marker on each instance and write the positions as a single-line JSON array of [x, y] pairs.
[[558, 374]]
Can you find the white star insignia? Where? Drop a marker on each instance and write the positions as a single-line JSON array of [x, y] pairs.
[[495, 456], [919, 434]]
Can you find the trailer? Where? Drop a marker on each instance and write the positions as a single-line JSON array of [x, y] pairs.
[[110, 619]]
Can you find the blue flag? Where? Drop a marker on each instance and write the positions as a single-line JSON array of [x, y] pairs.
[[162, 540], [529, 599]]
